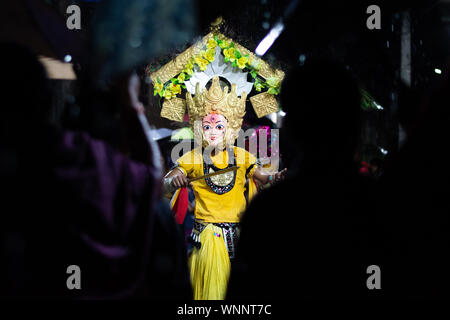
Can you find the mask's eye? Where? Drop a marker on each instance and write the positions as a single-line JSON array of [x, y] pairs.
[[206, 127], [219, 127]]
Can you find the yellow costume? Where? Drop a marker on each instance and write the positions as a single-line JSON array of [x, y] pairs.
[[219, 199], [210, 206], [210, 263]]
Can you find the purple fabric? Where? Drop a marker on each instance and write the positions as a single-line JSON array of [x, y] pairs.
[[99, 175], [77, 201], [90, 206]]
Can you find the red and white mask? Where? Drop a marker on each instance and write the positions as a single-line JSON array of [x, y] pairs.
[[214, 127]]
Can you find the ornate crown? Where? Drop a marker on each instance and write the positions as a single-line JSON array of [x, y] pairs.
[[216, 55], [216, 100]]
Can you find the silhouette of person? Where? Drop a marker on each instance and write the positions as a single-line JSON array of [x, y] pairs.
[[311, 236]]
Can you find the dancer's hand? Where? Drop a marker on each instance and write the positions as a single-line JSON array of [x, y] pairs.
[[180, 181], [264, 178], [280, 175]]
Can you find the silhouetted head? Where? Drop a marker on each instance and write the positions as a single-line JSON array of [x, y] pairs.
[[25, 92], [322, 102]]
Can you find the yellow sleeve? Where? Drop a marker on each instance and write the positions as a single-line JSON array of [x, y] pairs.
[[246, 160], [186, 163], [250, 168]]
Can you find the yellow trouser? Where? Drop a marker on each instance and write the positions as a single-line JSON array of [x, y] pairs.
[[210, 265]]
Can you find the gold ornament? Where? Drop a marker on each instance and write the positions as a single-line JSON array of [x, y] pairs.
[[264, 104], [174, 67], [174, 109], [227, 104], [223, 179], [216, 100], [216, 24]]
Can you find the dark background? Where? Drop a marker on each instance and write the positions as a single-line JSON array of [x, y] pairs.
[[331, 29]]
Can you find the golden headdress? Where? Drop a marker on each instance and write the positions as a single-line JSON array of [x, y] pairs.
[[216, 100], [216, 55]]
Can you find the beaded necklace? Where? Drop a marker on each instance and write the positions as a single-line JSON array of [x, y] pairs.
[[221, 183]]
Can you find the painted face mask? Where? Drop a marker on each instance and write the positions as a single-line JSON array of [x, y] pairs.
[[214, 127]]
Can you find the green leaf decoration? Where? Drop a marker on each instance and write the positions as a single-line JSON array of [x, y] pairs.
[[259, 83], [272, 91]]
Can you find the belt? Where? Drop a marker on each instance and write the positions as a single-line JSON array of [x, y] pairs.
[[230, 231]]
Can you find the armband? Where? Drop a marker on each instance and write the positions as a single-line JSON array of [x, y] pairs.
[[168, 186]]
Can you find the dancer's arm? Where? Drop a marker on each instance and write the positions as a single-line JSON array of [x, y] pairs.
[[264, 178], [175, 179]]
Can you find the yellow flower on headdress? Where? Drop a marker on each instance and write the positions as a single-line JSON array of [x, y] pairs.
[[211, 44], [209, 55], [175, 88], [158, 87], [168, 94], [241, 62], [230, 54], [224, 44], [188, 69], [258, 86], [202, 63], [181, 77]]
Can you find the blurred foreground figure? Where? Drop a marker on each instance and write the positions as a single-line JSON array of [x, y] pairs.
[[415, 204], [70, 200], [311, 235]]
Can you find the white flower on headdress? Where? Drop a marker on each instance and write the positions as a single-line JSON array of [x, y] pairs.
[[218, 68]]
